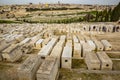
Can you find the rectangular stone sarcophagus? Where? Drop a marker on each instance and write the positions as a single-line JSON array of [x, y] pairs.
[[92, 61], [105, 62], [48, 69]]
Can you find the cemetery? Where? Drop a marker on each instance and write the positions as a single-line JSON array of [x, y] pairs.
[[56, 51]]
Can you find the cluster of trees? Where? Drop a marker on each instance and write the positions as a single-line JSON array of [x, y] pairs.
[[108, 15], [103, 16], [115, 15]]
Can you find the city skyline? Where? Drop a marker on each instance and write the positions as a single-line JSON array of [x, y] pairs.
[[99, 2]]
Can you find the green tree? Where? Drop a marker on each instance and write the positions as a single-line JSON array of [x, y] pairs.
[[106, 16], [101, 16], [88, 17], [109, 13], [97, 16], [116, 13]]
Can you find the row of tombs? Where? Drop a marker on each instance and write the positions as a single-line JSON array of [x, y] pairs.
[[57, 52], [108, 28], [31, 29], [54, 51]]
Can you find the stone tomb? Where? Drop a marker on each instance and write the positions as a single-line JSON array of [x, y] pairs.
[[28, 69], [45, 50], [48, 69], [35, 39], [105, 62], [92, 61], [26, 45], [12, 53], [67, 57], [91, 44], [38, 44], [63, 37], [45, 41], [81, 39], [57, 51], [26, 40], [85, 49], [99, 45], [69, 36], [77, 51], [69, 43], [107, 45], [75, 39], [3, 45]]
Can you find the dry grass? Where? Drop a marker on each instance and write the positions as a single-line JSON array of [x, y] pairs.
[[70, 75]]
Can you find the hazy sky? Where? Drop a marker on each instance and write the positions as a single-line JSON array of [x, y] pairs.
[[104, 2]]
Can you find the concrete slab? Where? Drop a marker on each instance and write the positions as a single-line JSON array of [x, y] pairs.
[[67, 57], [77, 51], [107, 45], [105, 62], [92, 45], [12, 53], [38, 44], [28, 69], [92, 61], [48, 69], [99, 45], [45, 50]]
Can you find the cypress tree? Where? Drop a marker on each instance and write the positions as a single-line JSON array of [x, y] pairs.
[[97, 16], [116, 13]]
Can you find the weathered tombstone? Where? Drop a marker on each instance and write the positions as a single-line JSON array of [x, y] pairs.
[[105, 62], [27, 70], [3, 45], [48, 69], [38, 44], [45, 41], [67, 57], [92, 61], [12, 53], [77, 51], [35, 39], [26, 46], [81, 39], [75, 39], [99, 45], [85, 49], [91, 44], [63, 37], [45, 50], [107, 45], [69, 36], [57, 51]]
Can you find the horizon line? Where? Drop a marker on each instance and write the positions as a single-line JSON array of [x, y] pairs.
[[56, 3]]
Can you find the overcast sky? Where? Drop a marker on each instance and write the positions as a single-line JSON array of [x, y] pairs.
[[103, 2]]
